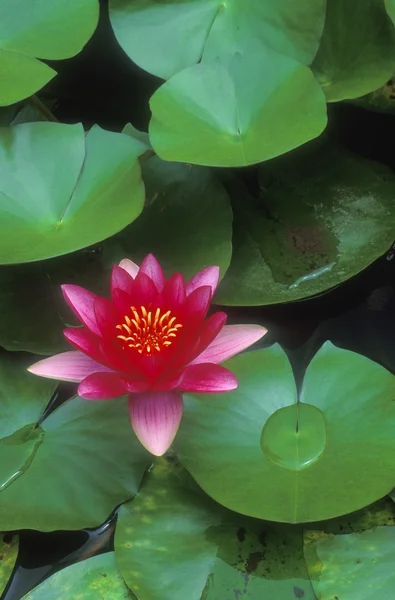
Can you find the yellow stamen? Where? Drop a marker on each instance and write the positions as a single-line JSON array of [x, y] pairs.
[[148, 332]]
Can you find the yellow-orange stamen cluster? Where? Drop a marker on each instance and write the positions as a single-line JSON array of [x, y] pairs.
[[148, 331]]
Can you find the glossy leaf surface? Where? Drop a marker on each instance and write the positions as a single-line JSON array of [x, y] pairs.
[[96, 578], [61, 190], [31, 30], [202, 550], [263, 452], [324, 214], [357, 49], [72, 470]]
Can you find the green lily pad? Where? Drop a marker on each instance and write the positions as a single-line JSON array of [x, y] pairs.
[[49, 30], [214, 114], [8, 554], [324, 215], [354, 566], [164, 38], [390, 8], [186, 223], [357, 49], [72, 470], [202, 550], [228, 100], [56, 182], [96, 578], [262, 451], [381, 100]]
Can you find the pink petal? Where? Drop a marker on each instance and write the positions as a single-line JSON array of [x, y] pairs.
[[173, 294], [209, 276], [106, 317], [152, 268], [121, 280], [81, 302], [230, 341], [207, 377], [68, 366], [100, 386], [144, 291], [85, 341], [197, 304], [130, 267], [155, 418]]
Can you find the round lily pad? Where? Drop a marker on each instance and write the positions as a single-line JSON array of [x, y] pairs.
[[70, 470], [323, 215], [57, 181], [227, 101], [202, 550], [50, 30], [357, 49], [263, 451], [96, 578]]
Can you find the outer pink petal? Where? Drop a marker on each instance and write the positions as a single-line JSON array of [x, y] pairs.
[[207, 377], [85, 341], [81, 302], [209, 276], [230, 341], [121, 280], [100, 386], [68, 366], [152, 268], [130, 267], [155, 418]]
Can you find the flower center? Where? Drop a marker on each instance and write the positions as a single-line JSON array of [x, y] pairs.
[[148, 331]]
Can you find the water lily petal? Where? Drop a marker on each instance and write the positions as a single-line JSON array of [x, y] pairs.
[[209, 276], [207, 377], [173, 294], [152, 268], [106, 317], [155, 418], [85, 341], [121, 280], [230, 341], [129, 266], [81, 303], [102, 386], [68, 366], [197, 304], [144, 291]]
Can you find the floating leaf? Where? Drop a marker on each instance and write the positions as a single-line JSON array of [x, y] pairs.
[[354, 566], [262, 451], [228, 100], [323, 216], [49, 30], [211, 114], [56, 182], [72, 470], [202, 550], [178, 197], [8, 556], [96, 578], [357, 50]]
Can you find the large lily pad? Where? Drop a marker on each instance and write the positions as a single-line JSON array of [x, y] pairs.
[[264, 452], [323, 216], [357, 49], [202, 550], [186, 223], [8, 556], [166, 37], [50, 30], [354, 566], [227, 101], [70, 471], [57, 182], [236, 115], [96, 578]]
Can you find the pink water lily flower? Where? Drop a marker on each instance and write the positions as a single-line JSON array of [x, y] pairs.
[[151, 341]]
